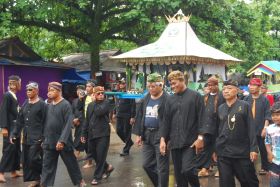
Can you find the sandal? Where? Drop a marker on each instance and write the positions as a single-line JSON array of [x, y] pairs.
[[95, 182], [203, 173], [34, 184], [262, 172], [108, 172]]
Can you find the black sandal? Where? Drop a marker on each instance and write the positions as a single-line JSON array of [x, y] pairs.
[[108, 173]]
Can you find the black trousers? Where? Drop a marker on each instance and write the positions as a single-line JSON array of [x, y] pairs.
[[242, 168], [10, 160], [204, 158], [263, 153], [184, 160], [99, 147], [124, 132], [155, 165], [32, 162], [50, 159], [79, 146]]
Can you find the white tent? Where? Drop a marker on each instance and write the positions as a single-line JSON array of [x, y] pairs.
[[179, 43]]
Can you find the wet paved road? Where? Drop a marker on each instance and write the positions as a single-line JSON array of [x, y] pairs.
[[128, 171]]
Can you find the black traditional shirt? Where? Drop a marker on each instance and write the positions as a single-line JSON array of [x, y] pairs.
[[211, 111], [31, 118], [58, 125], [125, 108], [8, 111], [183, 118], [96, 123], [236, 134], [262, 111]]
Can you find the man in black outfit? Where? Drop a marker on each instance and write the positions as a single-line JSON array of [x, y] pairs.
[[78, 112], [10, 161], [260, 107], [31, 119], [125, 113], [182, 127], [58, 139], [147, 128], [236, 144], [212, 101], [96, 130]]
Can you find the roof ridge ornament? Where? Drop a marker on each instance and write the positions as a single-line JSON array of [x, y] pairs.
[[178, 17]]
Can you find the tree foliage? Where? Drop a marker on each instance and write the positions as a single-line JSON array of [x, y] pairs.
[[53, 27]]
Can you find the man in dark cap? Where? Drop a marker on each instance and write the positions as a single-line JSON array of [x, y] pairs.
[[125, 113], [212, 101], [147, 129], [236, 144], [31, 119], [58, 139], [260, 107], [78, 112], [10, 161]]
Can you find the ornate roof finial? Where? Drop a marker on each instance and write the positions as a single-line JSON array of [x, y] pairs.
[[178, 17]]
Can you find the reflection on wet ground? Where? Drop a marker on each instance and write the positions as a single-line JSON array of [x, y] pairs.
[[128, 171]]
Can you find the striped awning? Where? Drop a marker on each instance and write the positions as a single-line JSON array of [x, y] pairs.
[[260, 70]]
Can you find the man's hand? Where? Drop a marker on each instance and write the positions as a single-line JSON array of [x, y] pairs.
[[269, 157], [215, 157], [198, 144], [132, 121], [5, 132], [12, 140], [138, 140], [76, 122], [162, 147], [253, 156], [83, 139], [59, 146]]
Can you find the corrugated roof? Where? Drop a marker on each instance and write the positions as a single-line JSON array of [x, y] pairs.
[[273, 64], [267, 66]]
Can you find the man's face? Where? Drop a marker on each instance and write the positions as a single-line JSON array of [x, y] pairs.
[[155, 88], [99, 96], [15, 85], [230, 92], [122, 85], [53, 93], [89, 88], [31, 93], [177, 85], [276, 118], [263, 90], [254, 89], [213, 88]]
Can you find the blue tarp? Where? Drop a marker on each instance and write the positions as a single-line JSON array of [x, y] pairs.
[[71, 76], [84, 74]]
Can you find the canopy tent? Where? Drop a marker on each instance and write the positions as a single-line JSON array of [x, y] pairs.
[[178, 43]]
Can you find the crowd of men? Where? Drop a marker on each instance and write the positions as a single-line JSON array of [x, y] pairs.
[[195, 131]]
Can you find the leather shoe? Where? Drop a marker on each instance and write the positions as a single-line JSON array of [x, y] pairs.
[[124, 154]]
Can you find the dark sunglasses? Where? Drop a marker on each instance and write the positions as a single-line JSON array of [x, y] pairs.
[[30, 90], [100, 93]]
